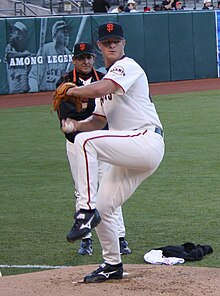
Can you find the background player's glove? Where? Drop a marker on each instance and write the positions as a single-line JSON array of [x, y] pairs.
[[60, 95]]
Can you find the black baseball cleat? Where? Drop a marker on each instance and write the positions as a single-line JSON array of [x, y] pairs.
[[105, 272], [85, 220], [124, 249], [86, 247]]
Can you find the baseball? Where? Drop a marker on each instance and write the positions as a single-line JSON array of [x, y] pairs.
[[68, 127]]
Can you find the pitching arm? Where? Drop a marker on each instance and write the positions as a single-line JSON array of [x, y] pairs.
[[95, 90]]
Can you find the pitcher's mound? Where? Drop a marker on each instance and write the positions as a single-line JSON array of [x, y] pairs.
[[150, 280]]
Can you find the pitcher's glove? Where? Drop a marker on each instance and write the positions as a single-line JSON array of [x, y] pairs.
[[61, 95]]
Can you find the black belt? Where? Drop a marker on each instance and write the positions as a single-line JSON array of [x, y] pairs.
[[159, 131]]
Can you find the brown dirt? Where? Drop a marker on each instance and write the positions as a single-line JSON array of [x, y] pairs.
[[141, 280], [184, 86], [146, 279], [45, 98]]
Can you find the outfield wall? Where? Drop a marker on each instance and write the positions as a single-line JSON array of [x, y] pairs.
[[169, 46]]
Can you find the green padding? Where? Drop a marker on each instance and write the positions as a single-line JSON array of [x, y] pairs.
[[133, 27], [20, 50], [156, 44], [41, 77], [53, 51], [205, 45], [169, 46], [181, 46], [3, 65], [80, 29]]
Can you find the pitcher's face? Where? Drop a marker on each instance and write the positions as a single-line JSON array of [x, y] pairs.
[[112, 49]]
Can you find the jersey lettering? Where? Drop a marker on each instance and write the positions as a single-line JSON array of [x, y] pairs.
[[118, 70], [105, 98]]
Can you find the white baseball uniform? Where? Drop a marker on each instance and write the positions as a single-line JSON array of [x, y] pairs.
[[131, 146]]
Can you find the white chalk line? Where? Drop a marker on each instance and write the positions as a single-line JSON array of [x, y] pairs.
[[34, 266]]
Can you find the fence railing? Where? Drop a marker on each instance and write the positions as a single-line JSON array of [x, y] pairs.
[[20, 8]]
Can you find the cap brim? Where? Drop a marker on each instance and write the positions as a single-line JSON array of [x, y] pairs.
[[85, 52], [110, 37], [16, 28]]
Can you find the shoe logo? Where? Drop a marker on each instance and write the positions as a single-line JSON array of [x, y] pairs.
[[88, 224], [80, 216], [107, 274]]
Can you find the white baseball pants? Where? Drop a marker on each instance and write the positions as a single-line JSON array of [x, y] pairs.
[[134, 156]]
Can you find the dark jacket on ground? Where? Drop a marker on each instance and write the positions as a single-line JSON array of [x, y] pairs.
[[188, 251]]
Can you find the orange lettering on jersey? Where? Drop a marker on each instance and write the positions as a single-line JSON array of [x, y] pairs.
[[110, 27], [82, 46]]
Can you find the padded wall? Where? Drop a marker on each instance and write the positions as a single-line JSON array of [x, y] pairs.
[[204, 43], [181, 46], [168, 45], [157, 47]]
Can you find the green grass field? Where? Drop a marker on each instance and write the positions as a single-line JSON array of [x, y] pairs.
[[179, 203]]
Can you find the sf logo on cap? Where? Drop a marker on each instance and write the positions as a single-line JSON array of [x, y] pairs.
[[110, 27], [82, 46]]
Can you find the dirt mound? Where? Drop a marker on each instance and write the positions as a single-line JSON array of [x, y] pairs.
[[152, 280]]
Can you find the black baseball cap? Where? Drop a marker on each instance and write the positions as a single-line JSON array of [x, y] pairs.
[[109, 30], [83, 48]]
